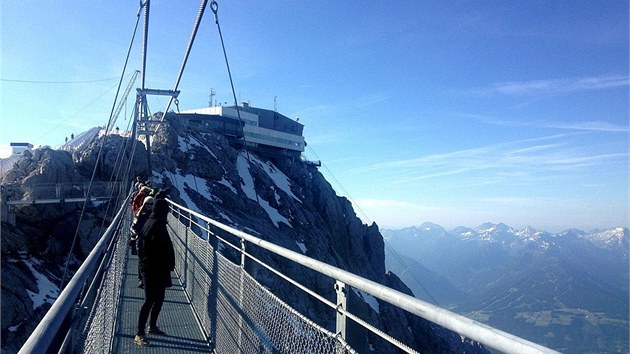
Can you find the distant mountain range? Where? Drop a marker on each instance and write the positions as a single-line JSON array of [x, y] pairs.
[[568, 291]]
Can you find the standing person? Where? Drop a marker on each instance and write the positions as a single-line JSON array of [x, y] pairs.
[[157, 259], [136, 230], [138, 183], [163, 193], [138, 199]]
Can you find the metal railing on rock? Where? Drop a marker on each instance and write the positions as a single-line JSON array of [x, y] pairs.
[[43, 193]]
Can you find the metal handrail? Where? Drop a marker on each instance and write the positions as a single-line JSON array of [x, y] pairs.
[[19, 194], [466, 327], [47, 331]]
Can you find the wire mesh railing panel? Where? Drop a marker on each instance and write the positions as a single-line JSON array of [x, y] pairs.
[[201, 266], [194, 260], [253, 320], [61, 190], [238, 313], [95, 333]]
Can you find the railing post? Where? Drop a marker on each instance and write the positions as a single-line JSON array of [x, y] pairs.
[[241, 295], [186, 251], [243, 253], [213, 242], [340, 288]]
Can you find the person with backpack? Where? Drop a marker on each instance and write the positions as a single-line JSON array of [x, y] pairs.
[[136, 241], [157, 260]]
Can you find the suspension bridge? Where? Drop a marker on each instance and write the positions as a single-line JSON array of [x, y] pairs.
[[215, 305]]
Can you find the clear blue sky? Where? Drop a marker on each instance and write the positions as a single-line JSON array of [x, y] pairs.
[[454, 112]]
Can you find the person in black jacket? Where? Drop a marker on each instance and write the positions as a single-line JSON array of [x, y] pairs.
[[136, 230], [157, 260]]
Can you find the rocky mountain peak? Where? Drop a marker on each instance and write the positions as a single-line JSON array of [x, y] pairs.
[[612, 238]]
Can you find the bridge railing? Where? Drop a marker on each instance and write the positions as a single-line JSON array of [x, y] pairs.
[[207, 275], [237, 313], [59, 191], [84, 313]]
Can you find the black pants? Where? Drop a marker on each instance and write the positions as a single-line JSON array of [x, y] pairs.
[[154, 291]]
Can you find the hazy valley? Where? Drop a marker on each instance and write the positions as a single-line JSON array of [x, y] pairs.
[[567, 291]]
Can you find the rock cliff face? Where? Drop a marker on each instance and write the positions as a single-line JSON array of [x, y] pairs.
[[288, 202], [35, 250]]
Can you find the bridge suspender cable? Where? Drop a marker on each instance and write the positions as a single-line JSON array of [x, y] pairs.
[[391, 249], [98, 158], [215, 9], [202, 8]]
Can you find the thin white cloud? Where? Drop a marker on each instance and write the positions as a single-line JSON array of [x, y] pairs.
[[521, 202], [390, 203], [599, 126], [368, 100], [560, 85], [319, 110], [522, 162], [588, 126]]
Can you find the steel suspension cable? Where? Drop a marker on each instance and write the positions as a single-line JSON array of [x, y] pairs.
[[391, 249], [100, 152], [215, 9], [202, 8], [115, 176]]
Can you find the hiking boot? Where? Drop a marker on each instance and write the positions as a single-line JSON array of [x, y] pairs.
[[140, 340], [156, 330]]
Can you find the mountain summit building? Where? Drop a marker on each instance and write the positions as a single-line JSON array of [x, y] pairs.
[[20, 148], [258, 129]]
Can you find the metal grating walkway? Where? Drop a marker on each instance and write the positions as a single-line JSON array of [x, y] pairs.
[[184, 334]]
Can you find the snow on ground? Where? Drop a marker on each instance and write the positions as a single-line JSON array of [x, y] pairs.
[[226, 217], [185, 144], [242, 166], [157, 179], [15, 328], [279, 178], [247, 181], [368, 299], [194, 183], [228, 184], [273, 213], [48, 291], [302, 246]]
